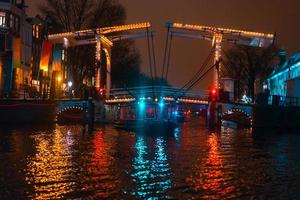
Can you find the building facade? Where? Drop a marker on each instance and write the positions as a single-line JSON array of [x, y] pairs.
[[38, 36], [15, 48], [21, 44], [285, 79]]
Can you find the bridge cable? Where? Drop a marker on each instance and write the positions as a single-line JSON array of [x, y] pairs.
[[198, 80], [150, 61], [201, 69], [201, 77], [155, 72], [198, 73], [165, 54], [154, 57], [169, 56]]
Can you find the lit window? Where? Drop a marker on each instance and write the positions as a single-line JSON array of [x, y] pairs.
[[63, 55], [37, 31], [33, 30], [2, 19]]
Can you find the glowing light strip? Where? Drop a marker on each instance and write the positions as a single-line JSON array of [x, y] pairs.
[[285, 71], [169, 99], [104, 30], [106, 41], [126, 100], [193, 101], [123, 28], [216, 29]]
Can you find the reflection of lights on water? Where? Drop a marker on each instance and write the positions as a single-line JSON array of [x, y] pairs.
[[214, 179], [177, 134], [101, 164], [151, 175], [48, 170], [69, 138]]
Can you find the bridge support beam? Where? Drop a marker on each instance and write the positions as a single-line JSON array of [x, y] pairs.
[[108, 71], [98, 63], [217, 40]]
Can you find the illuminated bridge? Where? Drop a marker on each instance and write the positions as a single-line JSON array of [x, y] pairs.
[[156, 93]]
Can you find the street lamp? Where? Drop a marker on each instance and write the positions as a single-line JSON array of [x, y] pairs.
[[70, 84]]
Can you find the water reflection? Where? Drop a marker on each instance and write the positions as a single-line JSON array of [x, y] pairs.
[[63, 162], [48, 170], [151, 170], [100, 175]]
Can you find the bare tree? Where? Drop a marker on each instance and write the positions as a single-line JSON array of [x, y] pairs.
[[72, 15], [248, 64]]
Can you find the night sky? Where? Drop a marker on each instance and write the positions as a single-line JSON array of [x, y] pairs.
[[280, 16]]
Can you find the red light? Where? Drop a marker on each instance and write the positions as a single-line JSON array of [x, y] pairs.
[[214, 91]]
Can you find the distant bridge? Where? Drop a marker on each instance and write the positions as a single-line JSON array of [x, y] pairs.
[[133, 95], [126, 95]]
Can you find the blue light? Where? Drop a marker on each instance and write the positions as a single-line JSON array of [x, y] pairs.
[[142, 98], [161, 104], [141, 104], [176, 113]]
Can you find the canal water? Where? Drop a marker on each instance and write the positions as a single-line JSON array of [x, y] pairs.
[[66, 162]]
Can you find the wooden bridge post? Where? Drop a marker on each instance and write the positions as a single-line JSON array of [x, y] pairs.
[[211, 115], [91, 112]]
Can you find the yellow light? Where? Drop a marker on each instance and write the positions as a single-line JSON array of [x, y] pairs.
[[104, 30], [59, 78], [125, 100], [44, 68], [217, 29]]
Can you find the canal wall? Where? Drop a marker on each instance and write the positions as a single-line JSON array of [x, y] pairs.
[[26, 112], [276, 117]]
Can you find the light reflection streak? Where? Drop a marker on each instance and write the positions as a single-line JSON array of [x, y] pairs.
[[100, 168], [177, 135], [49, 169], [151, 175], [209, 176]]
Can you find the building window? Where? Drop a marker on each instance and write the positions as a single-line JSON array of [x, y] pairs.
[[11, 21], [2, 19], [63, 55], [33, 31], [37, 31]]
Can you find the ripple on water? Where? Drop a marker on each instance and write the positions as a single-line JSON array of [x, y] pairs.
[[66, 162]]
